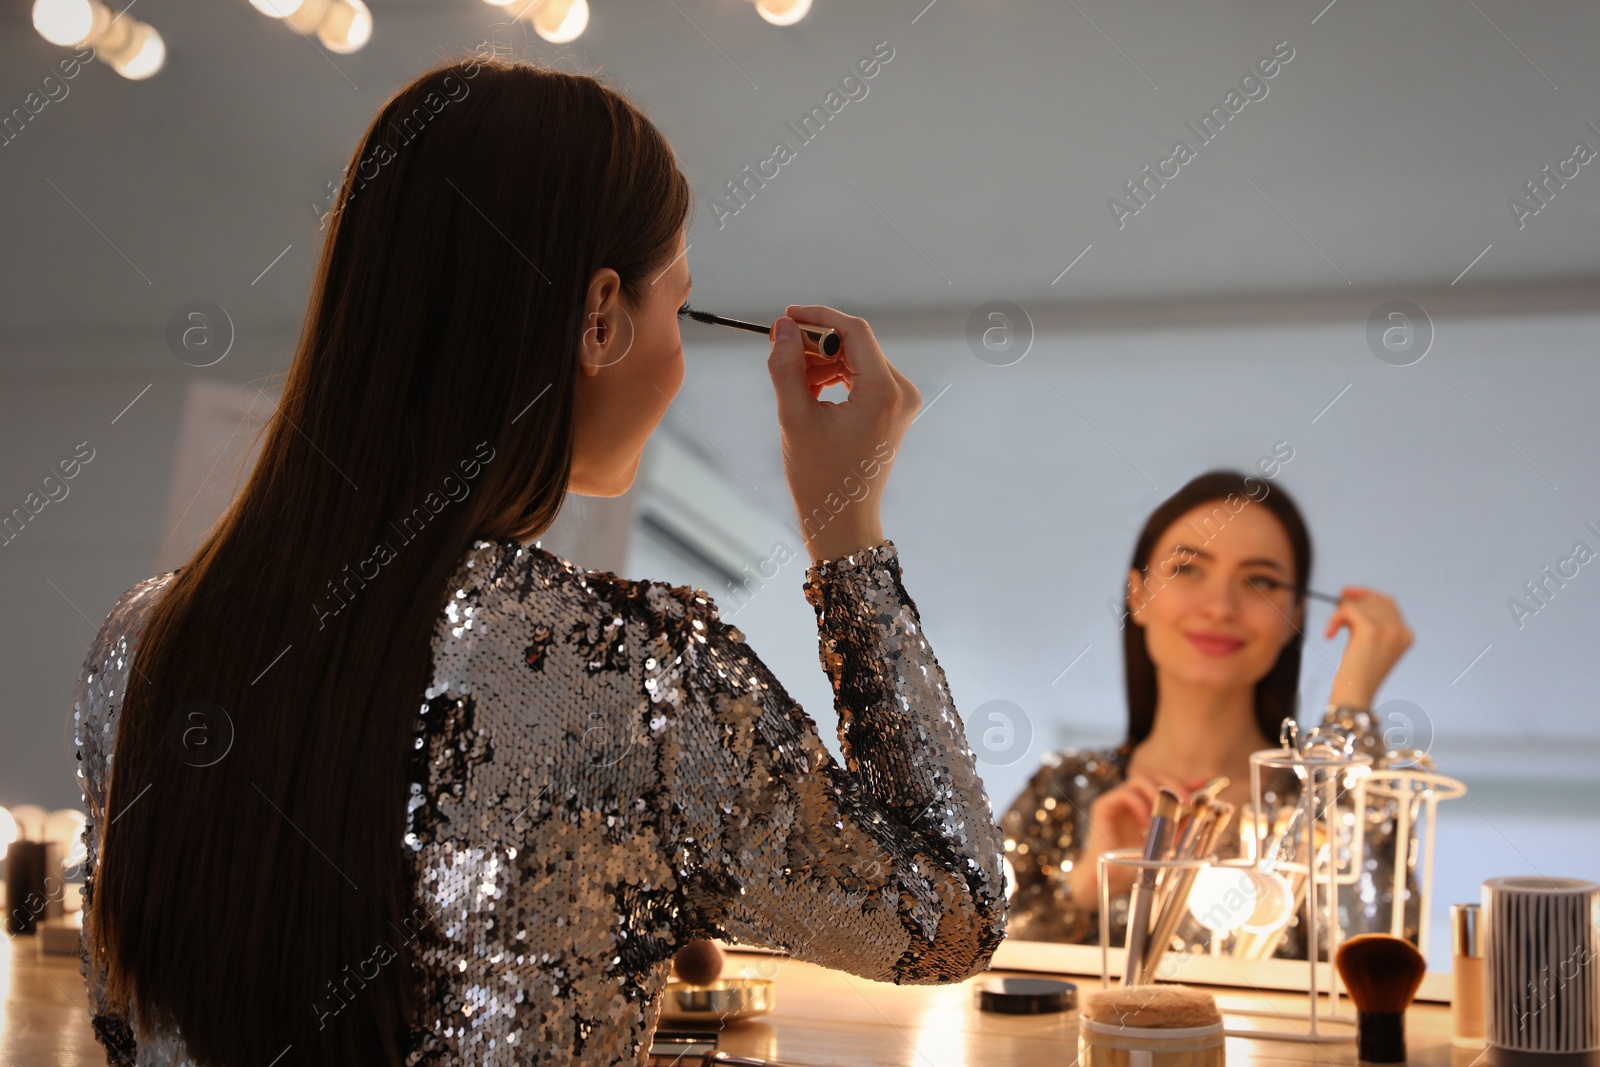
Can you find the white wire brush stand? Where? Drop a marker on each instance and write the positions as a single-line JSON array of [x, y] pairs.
[[1325, 865], [1412, 788]]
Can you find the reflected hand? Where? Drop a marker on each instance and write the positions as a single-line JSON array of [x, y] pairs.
[[1378, 638], [1118, 819]]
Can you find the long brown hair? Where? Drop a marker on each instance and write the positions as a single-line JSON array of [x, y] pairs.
[[430, 403], [1276, 692]]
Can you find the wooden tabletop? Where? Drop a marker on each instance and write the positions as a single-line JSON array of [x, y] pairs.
[[825, 1017], [821, 1017]]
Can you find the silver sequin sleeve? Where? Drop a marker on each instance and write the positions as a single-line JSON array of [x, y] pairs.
[[888, 867], [606, 771]]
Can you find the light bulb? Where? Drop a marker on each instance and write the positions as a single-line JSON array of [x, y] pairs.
[[305, 16], [64, 825], [8, 831], [783, 12], [63, 22], [30, 821], [278, 9], [558, 21], [347, 27], [149, 54], [1225, 899]]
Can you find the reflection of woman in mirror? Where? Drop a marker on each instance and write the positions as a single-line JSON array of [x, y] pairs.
[[1212, 646]]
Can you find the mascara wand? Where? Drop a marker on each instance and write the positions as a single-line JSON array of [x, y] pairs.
[[822, 340]]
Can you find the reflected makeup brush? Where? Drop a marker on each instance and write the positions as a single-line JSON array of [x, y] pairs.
[[823, 340]]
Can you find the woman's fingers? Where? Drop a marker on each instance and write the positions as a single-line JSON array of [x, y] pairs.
[[859, 351]]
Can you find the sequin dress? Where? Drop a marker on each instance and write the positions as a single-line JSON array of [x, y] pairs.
[[604, 771], [1047, 823]]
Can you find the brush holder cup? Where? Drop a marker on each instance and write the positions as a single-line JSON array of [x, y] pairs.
[[1541, 937], [1164, 877]]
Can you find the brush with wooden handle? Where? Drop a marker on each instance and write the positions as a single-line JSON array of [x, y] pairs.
[[1157, 838], [1201, 844]]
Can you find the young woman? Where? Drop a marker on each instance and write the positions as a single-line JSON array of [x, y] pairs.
[[1212, 644], [391, 784]]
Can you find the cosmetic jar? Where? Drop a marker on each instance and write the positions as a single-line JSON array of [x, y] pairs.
[[1540, 944], [1150, 1026]]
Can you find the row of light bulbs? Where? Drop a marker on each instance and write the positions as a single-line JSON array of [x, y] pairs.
[[135, 50]]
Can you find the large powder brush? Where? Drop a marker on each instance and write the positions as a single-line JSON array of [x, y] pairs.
[[1382, 973], [698, 963]]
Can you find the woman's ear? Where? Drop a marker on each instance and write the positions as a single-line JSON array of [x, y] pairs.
[[603, 327]]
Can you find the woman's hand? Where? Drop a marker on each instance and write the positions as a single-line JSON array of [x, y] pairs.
[[1119, 818], [1378, 638], [836, 456]]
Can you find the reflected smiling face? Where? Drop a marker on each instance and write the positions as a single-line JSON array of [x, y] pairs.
[[1217, 605], [630, 368]]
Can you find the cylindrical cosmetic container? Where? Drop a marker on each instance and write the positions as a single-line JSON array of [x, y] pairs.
[[1466, 968]]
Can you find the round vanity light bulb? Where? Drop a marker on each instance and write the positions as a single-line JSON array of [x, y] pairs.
[[8, 831], [278, 9], [30, 820], [783, 12], [560, 21], [64, 825], [63, 22], [346, 27], [149, 55]]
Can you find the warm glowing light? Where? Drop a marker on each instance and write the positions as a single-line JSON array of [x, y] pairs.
[[66, 826], [8, 831], [1225, 899], [278, 9], [347, 27], [783, 12], [558, 21], [30, 820], [149, 55], [63, 22]]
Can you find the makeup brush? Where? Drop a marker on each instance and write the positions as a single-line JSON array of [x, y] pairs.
[[1382, 973], [1191, 819], [698, 963], [1157, 838], [823, 340], [1210, 819]]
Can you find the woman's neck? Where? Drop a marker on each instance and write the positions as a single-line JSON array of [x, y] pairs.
[[1201, 732]]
